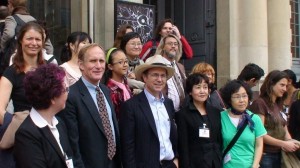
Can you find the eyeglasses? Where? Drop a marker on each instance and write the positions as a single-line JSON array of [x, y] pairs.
[[172, 43], [121, 62], [156, 76], [239, 97], [135, 44]]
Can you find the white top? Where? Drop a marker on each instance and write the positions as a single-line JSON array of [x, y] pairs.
[[163, 126], [71, 75], [40, 122]]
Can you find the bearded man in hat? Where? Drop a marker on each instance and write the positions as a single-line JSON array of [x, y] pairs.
[[147, 128]]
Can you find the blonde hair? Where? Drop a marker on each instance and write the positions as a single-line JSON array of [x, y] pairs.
[[161, 45], [16, 3], [85, 48], [203, 68]]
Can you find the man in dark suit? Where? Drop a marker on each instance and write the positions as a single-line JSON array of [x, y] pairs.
[[147, 127], [94, 139]]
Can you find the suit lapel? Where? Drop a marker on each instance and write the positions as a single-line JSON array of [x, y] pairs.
[[50, 137], [90, 105], [146, 109]]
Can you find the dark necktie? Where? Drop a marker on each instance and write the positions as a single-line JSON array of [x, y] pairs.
[[106, 124]]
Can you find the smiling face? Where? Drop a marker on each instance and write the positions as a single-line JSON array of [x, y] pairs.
[[32, 43], [155, 80], [280, 88], [133, 48], [93, 65], [200, 92], [166, 29], [119, 65], [239, 100]]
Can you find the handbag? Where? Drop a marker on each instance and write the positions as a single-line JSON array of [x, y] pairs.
[[235, 138], [289, 160], [8, 138]]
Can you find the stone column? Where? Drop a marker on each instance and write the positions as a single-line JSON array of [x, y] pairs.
[[241, 37], [279, 34]]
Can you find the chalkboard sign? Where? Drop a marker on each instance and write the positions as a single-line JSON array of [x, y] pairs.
[[140, 16]]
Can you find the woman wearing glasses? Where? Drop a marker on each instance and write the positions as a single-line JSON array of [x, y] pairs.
[[41, 141], [115, 78], [131, 44], [269, 107], [247, 150]]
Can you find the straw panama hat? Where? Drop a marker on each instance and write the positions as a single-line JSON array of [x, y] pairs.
[[154, 63]]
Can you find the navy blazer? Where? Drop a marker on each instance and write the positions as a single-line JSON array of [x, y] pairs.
[[37, 148], [86, 132], [139, 139]]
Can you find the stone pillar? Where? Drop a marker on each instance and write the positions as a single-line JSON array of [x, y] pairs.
[[279, 34], [241, 37], [103, 23]]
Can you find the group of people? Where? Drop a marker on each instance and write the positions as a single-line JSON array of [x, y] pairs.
[[134, 106]]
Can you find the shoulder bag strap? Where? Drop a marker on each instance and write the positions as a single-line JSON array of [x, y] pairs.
[[223, 104], [235, 138], [18, 20]]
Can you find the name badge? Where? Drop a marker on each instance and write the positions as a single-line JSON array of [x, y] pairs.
[[227, 158], [69, 163], [203, 132]]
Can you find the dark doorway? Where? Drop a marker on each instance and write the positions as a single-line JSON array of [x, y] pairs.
[[196, 21]]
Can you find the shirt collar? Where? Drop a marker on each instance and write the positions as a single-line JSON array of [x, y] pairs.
[[39, 121], [88, 84], [152, 99]]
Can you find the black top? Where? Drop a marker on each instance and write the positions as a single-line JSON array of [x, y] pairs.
[[195, 151], [18, 93]]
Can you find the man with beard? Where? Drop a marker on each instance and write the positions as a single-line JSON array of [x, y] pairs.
[[169, 51]]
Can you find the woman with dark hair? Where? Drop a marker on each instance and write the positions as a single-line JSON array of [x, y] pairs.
[[69, 55], [215, 98], [293, 93], [18, 8], [247, 150], [29, 56], [293, 122], [269, 107], [41, 140], [131, 45], [115, 78], [123, 29], [164, 28], [199, 127]]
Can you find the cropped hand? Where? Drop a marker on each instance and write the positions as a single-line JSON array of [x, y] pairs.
[[176, 31], [289, 146]]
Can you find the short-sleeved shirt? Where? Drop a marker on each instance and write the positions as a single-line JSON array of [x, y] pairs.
[[242, 152], [18, 93], [274, 122]]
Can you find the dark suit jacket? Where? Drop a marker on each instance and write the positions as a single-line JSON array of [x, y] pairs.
[[37, 148], [196, 152], [86, 133], [139, 139]]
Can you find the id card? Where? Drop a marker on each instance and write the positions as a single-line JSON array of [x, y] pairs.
[[69, 163], [203, 132], [227, 158]]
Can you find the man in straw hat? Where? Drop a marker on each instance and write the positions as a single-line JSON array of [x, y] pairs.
[[147, 127], [169, 51]]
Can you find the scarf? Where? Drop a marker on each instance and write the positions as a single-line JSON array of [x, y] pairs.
[[245, 118], [122, 86]]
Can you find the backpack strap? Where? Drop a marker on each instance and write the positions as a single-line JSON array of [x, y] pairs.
[[20, 23], [235, 138]]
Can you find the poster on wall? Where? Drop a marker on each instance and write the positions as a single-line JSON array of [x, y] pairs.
[[139, 16]]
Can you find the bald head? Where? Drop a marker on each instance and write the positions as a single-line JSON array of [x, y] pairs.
[[3, 12]]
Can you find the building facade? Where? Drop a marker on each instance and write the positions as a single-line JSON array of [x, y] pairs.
[[227, 34]]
